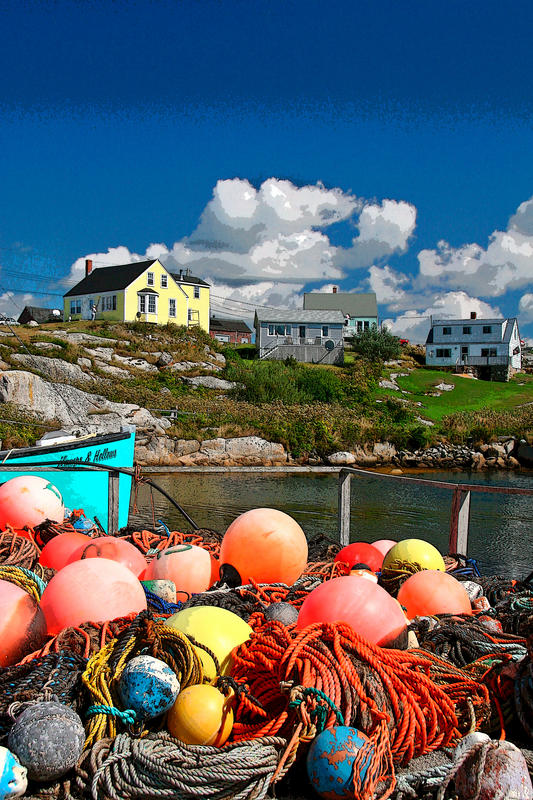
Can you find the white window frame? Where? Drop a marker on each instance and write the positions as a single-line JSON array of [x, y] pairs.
[[172, 307], [197, 292], [142, 304], [164, 281], [152, 301], [150, 278], [487, 329]]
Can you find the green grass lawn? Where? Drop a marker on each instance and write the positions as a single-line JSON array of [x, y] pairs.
[[468, 394]]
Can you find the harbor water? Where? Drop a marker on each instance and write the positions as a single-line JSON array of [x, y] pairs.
[[501, 526]]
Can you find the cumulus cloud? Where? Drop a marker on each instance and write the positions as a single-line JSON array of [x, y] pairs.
[[387, 284], [114, 256], [525, 307], [414, 325], [505, 264]]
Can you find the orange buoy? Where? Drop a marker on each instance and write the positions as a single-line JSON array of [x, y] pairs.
[[186, 565], [384, 545], [22, 624], [215, 570], [92, 590], [433, 592], [201, 715], [361, 553], [114, 548], [28, 500], [364, 605], [264, 545], [57, 551]]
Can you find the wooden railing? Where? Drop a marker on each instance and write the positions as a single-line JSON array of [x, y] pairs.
[[460, 503]]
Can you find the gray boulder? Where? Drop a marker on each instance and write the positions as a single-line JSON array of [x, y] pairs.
[[210, 382], [54, 368]]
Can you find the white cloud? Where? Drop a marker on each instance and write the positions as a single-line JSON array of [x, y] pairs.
[[414, 325], [525, 308], [387, 284], [506, 263], [113, 257]]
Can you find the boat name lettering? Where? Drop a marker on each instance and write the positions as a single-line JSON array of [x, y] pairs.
[[99, 455]]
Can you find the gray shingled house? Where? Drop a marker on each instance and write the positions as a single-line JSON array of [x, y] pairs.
[[312, 336], [360, 309]]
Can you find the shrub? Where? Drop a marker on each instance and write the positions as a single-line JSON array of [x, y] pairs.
[[377, 344]]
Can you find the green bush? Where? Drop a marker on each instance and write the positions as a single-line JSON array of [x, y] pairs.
[[377, 344]]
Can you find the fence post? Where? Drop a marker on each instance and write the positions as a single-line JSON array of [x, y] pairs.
[[345, 480], [459, 521], [112, 502]]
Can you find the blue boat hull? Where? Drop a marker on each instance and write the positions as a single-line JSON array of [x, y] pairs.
[[81, 488]]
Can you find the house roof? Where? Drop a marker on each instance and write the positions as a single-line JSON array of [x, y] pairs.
[[189, 279], [360, 304], [477, 321], [298, 315], [509, 323], [40, 314], [237, 325], [110, 279]]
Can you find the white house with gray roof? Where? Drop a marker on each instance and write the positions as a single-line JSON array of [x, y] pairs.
[[488, 348], [312, 336], [360, 309]]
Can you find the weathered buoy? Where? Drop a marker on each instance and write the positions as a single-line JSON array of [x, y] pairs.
[[217, 628], [28, 500], [361, 553], [330, 762], [368, 608], [114, 548], [47, 738], [201, 715], [148, 686], [166, 590], [187, 566], [22, 624], [282, 612], [13, 779], [264, 545], [433, 592], [93, 590], [505, 772], [417, 552], [57, 551]]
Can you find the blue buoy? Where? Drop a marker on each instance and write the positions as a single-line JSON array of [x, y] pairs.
[[13, 780], [282, 612], [47, 739], [330, 762], [148, 686]]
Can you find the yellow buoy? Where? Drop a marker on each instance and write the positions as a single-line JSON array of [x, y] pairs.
[[201, 715], [415, 552], [216, 628]]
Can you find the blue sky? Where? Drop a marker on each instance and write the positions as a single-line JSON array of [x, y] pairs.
[[273, 147]]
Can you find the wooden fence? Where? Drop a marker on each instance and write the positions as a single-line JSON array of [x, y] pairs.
[[460, 503]]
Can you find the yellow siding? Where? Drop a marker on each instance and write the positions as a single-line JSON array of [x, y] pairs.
[[190, 310]]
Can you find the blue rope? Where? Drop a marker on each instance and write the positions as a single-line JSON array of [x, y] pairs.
[[164, 528], [161, 605], [41, 585], [129, 716]]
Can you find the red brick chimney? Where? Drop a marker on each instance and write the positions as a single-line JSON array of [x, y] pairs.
[[88, 266], [334, 290], [473, 315]]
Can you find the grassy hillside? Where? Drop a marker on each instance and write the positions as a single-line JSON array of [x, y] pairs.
[[311, 409]]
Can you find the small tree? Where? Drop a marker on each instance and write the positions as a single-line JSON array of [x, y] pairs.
[[376, 344]]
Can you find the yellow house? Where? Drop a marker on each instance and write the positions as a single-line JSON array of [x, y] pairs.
[[144, 290]]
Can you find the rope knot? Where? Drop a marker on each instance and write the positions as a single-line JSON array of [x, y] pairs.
[[128, 717]]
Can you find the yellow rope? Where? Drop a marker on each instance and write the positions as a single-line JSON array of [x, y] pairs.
[[101, 682], [17, 576]]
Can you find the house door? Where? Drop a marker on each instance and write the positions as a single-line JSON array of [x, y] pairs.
[[464, 354], [302, 332]]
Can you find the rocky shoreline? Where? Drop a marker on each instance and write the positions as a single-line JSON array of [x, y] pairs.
[[252, 451]]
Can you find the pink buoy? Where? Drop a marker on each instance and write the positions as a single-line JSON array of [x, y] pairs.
[[92, 590], [57, 551], [433, 592], [364, 605], [28, 501], [491, 770], [361, 553], [187, 566], [22, 624], [384, 545], [114, 548], [264, 545]]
